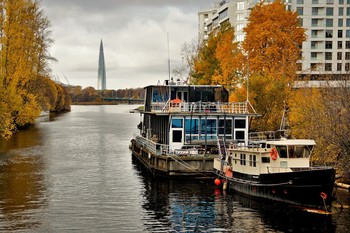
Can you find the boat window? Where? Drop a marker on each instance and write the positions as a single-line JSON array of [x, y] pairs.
[[239, 123], [225, 127], [252, 160], [160, 95], [243, 159], [239, 135], [265, 159], [282, 151], [177, 135], [176, 123], [308, 150], [208, 126], [299, 151], [191, 126]]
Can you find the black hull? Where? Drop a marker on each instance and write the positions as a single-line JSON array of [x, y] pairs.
[[310, 189]]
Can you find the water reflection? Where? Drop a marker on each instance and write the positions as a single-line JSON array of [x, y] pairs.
[[22, 191], [181, 206]]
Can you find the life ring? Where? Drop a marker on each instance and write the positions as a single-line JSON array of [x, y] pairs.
[[273, 154], [323, 195]]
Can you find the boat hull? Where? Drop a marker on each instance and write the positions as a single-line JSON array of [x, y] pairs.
[[174, 166], [311, 188]]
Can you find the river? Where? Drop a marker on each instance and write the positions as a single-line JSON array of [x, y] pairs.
[[75, 174]]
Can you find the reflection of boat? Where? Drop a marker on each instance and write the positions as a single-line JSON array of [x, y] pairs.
[[277, 170], [181, 124]]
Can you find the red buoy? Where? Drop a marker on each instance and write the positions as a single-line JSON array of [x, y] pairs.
[[217, 181]]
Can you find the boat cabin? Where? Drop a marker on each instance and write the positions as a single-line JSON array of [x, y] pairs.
[[278, 156], [185, 116]]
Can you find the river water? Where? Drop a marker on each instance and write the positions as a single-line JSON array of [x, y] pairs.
[[75, 174]]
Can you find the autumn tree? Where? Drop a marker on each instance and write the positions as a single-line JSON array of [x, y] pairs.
[[272, 47], [24, 70], [322, 113]]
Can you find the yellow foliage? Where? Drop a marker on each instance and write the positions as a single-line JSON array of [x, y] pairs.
[[25, 87]]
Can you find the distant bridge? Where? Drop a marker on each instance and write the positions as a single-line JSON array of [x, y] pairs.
[[116, 99]]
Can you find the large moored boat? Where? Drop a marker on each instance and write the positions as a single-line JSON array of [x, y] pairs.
[[181, 124]]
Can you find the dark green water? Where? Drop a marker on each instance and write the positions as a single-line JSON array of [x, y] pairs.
[[75, 174]]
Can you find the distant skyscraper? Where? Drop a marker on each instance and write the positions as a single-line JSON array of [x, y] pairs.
[[101, 78]]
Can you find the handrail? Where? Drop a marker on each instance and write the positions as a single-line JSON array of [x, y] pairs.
[[200, 107]]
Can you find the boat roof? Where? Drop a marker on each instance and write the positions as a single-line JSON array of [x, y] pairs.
[[292, 142], [185, 85]]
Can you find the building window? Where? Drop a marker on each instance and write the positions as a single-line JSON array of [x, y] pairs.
[[240, 6], [348, 11], [330, 1], [300, 10], [329, 11], [301, 21], [347, 55], [340, 11], [329, 22], [340, 22], [328, 55], [329, 34], [313, 55], [347, 44], [240, 17], [339, 56], [347, 33], [314, 33], [341, 1], [340, 45], [239, 27], [314, 22], [329, 45], [239, 37], [314, 1], [315, 11], [313, 66], [328, 67], [348, 22], [347, 66], [300, 1], [313, 44], [339, 66], [340, 33]]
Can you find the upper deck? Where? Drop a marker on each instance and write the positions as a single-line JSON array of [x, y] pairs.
[[191, 99]]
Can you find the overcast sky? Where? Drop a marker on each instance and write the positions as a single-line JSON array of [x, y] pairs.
[[134, 34]]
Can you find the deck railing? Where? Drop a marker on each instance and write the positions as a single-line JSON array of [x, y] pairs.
[[200, 107], [151, 146]]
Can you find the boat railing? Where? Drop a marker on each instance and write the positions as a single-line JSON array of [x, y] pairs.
[[262, 136], [151, 146], [200, 107]]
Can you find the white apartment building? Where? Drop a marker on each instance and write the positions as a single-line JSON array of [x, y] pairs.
[[327, 24]]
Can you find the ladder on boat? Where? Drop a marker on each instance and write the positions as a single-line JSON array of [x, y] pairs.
[[222, 148]]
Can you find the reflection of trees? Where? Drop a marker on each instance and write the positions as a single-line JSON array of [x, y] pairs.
[[22, 185], [21, 191]]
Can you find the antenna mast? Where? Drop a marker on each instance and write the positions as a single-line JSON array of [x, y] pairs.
[[168, 56]]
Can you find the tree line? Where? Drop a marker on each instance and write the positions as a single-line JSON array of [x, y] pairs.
[[91, 95], [26, 87], [263, 69]]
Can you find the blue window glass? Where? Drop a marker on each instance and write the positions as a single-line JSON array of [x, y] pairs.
[[177, 123], [208, 126], [191, 126]]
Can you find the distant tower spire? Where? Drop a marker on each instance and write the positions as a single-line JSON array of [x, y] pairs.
[[101, 78]]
